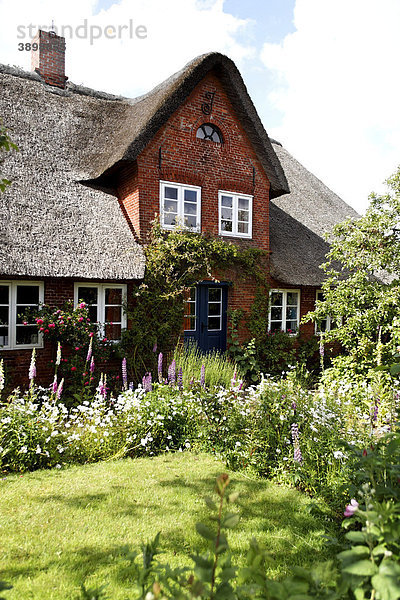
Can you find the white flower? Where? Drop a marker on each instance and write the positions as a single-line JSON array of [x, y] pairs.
[[58, 466], [38, 449], [238, 444], [24, 450], [143, 441]]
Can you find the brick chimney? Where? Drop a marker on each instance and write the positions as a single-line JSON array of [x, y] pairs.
[[49, 59]]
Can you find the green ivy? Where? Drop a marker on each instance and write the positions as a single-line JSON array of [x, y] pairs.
[[175, 262]]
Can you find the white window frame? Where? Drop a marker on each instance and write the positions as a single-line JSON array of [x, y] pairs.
[[235, 210], [329, 319], [101, 287], [12, 314], [195, 310], [181, 187], [285, 292]]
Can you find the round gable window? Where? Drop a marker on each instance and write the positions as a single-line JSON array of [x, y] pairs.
[[211, 132]]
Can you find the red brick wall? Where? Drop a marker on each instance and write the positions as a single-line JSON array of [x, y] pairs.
[[16, 362], [49, 58]]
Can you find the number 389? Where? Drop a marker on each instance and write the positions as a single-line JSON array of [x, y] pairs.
[[28, 46]]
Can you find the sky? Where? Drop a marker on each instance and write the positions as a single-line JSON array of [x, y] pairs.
[[323, 74]]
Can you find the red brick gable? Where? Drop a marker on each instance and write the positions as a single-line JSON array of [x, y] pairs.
[[175, 154]]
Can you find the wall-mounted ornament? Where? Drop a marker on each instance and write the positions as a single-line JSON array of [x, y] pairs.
[[206, 107]]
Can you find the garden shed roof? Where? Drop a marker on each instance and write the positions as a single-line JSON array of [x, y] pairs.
[[299, 221]]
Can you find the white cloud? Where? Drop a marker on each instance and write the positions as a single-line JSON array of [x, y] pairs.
[[177, 31], [338, 89]]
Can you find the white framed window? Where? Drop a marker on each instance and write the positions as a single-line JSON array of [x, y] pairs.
[[326, 324], [17, 298], [180, 205], [105, 304], [235, 214], [189, 323], [284, 310]]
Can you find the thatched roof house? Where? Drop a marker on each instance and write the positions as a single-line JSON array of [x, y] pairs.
[[93, 169]]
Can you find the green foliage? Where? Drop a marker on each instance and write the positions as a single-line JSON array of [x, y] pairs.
[[243, 353], [368, 568], [175, 261], [361, 288], [219, 370], [6, 145]]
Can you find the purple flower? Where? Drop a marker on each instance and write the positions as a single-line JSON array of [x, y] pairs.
[[160, 364], [351, 508], [101, 388], [148, 383], [92, 365], [294, 406], [131, 385], [2, 379], [60, 389], [296, 445], [124, 375], [321, 348], [203, 376], [155, 348], [89, 354], [240, 385], [54, 386], [180, 378], [172, 373], [376, 410]]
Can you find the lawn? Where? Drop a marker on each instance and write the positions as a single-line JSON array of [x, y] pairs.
[[62, 527]]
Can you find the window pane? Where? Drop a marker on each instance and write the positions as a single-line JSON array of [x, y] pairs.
[[190, 209], [226, 214], [208, 129], [113, 296], [24, 313], [113, 314], [200, 133], [276, 313], [214, 323], [87, 294], [190, 309], [3, 336], [226, 201], [192, 294], [190, 221], [112, 332], [171, 192], [243, 228], [322, 325], [189, 323], [291, 312], [170, 206], [214, 294], [190, 196], [243, 215], [3, 294], [3, 315], [169, 219], [226, 225], [27, 294], [214, 308], [243, 203], [276, 326], [320, 296], [292, 298], [291, 326], [276, 298], [27, 335]]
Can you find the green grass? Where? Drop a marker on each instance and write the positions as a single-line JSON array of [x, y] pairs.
[[219, 369], [60, 528]]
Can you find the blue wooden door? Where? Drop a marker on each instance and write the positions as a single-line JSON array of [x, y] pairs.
[[205, 316]]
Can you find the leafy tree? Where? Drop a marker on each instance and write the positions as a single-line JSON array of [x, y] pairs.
[[362, 286], [5, 146]]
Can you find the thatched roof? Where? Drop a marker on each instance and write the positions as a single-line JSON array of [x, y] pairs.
[[299, 221], [51, 225]]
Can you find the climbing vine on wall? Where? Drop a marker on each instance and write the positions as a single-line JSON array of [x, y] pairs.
[[175, 261]]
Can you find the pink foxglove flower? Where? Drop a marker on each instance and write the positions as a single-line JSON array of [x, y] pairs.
[[351, 508], [60, 389], [172, 373], [54, 386], [32, 367], [160, 364], [89, 354], [92, 365], [58, 359], [1, 376]]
